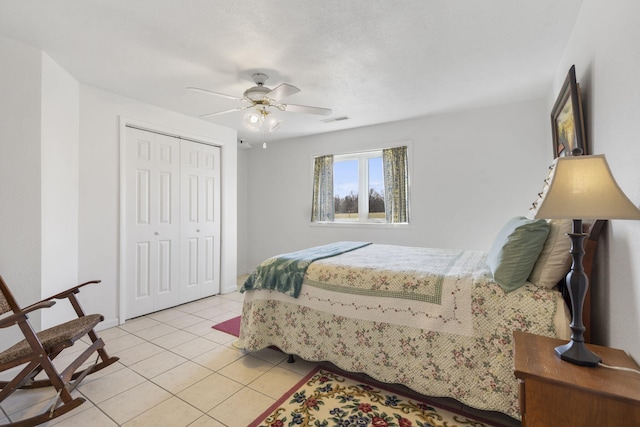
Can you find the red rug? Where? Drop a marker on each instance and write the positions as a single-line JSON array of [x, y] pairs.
[[231, 326]]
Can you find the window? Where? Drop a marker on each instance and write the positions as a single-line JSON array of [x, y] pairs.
[[351, 187], [357, 174]]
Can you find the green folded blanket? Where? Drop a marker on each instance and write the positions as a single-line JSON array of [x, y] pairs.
[[285, 273]]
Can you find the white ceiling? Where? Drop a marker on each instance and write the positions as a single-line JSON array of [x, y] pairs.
[[373, 61]]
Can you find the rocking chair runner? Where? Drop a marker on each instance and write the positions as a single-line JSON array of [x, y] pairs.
[[37, 351]]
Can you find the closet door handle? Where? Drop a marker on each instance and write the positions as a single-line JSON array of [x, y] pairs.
[[156, 233]]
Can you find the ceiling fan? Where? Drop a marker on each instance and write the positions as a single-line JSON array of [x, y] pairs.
[[262, 99]]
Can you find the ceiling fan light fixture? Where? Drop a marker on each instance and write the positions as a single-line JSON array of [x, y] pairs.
[[253, 120], [273, 124], [262, 100]]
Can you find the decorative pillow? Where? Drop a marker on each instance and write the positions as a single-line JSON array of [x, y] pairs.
[[515, 251], [554, 260]]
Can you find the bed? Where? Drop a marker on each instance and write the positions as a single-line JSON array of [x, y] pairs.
[[439, 321]]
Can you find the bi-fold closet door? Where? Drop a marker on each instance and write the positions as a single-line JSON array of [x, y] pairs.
[[172, 221]]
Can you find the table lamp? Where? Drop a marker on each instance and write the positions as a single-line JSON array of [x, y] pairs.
[[581, 187]]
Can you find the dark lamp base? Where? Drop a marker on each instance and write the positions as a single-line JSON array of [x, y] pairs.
[[577, 353]]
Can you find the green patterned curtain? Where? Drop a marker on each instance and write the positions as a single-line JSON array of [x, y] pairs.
[[396, 184], [323, 205]]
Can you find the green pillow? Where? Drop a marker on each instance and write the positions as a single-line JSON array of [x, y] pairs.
[[515, 251]]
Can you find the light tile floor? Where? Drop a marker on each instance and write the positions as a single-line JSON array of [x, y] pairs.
[[174, 370]]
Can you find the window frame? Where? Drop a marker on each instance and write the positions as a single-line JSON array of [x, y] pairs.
[[370, 148], [363, 184]]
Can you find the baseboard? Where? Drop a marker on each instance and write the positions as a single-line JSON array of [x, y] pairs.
[[228, 290], [106, 324]]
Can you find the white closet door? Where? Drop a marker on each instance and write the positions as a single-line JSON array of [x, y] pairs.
[[152, 222], [199, 220]]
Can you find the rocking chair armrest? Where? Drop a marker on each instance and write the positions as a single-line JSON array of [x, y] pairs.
[[74, 290], [22, 314]]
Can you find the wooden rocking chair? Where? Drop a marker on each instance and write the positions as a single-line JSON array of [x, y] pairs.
[[37, 350]]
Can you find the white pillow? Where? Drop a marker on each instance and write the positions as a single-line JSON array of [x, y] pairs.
[[555, 258]]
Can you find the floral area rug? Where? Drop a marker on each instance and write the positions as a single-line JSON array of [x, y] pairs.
[[327, 399]]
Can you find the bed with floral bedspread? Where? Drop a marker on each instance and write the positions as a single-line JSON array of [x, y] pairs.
[[431, 319]]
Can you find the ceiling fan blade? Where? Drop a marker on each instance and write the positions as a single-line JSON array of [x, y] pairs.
[[225, 112], [282, 91], [209, 92], [306, 109]]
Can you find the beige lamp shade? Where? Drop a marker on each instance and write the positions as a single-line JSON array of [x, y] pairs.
[[582, 187]]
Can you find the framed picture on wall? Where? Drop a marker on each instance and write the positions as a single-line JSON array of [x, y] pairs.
[[567, 123]]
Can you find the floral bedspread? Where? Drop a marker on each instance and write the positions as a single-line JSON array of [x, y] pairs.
[[442, 328]]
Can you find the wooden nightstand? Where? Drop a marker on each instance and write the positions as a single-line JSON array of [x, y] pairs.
[[558, 393]]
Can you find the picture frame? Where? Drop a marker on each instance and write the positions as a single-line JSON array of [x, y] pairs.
[[567, 124]]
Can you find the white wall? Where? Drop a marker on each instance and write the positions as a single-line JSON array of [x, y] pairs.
[[604, 49], [470, 172], [39, 179], [59, 160], [20, 204], [100, 113], [244, 212]]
